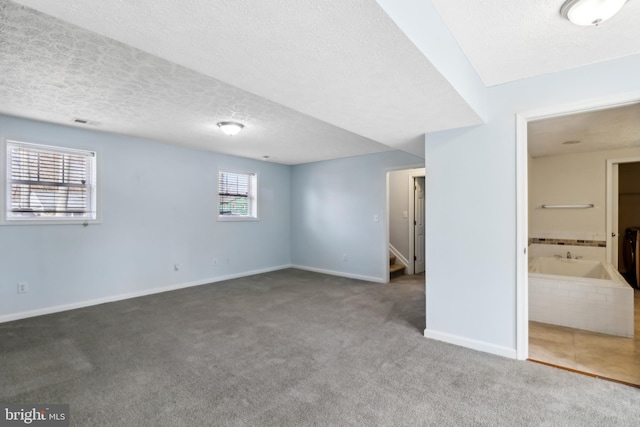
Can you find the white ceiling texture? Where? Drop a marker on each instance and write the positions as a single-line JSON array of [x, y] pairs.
[[310, 80], [608, 129], [510, 40]]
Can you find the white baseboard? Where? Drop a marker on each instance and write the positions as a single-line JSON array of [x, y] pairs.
[[473, 344], [120, 297], [340, 274]]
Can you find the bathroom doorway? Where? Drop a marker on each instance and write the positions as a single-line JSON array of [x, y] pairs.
[[563, 198]]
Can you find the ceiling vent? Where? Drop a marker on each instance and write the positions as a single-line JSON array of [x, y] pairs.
[[85, 122]]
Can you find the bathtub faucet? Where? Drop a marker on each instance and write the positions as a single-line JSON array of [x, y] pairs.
[[568, 255]]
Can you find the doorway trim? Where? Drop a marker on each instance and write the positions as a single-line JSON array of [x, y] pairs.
[[412, 217], [522, 198], [385, 221], [610, 200]]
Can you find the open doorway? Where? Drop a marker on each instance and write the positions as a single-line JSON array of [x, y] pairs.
[[623, 219], [406, 214], [566, 191]]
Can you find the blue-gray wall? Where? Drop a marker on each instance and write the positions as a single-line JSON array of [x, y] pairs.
[[158, 209], [158, 205], [333, 207], [471, 204]]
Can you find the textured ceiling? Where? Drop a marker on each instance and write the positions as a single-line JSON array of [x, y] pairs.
[[342, 63], [507, 40], [54, 71], [608, 129]]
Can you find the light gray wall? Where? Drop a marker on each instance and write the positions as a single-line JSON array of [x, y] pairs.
[[471, 204], [333, 208], [158, 208]]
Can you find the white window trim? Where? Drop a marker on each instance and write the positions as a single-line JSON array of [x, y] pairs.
[[235, 218], [61, 221]]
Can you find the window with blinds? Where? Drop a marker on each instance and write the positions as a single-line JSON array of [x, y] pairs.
[[50, 183], [237, 195]]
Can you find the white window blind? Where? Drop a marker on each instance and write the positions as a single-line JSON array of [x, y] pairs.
[[49, 183], [237, 195]]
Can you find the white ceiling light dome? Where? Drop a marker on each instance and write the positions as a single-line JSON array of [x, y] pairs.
[[590, 12], [230, 128]]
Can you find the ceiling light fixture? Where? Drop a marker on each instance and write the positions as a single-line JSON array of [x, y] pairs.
[[230, 128], [590, 12]]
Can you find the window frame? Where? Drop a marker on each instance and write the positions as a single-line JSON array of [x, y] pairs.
[[253, 185], [5, 182]]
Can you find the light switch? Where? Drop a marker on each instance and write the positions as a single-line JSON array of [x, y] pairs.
[[405, 214]]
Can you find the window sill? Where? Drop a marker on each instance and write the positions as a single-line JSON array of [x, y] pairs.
[[84, 222], [237, 218]]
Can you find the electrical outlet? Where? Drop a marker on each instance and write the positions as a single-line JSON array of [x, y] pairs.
[[23, 287], [345, 257], [215, 261]]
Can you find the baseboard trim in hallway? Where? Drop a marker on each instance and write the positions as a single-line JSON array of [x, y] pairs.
[[584, 373]]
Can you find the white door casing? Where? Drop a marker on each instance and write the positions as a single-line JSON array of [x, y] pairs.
[[418, 229], [522, 282], [612, 207]]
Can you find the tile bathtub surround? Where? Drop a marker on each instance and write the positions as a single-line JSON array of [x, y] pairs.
[[603, 309], [568, 242], [560, 235], [586, 252]]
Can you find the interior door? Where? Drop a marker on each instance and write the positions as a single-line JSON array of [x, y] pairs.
[[418, 229]]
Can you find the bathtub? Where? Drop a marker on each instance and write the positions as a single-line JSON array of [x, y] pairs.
[[582, 294]]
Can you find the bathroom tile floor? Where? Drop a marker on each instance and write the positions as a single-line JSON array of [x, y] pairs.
[[607, 356]]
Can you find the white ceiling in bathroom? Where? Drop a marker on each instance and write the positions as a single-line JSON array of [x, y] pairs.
[[609, 129]]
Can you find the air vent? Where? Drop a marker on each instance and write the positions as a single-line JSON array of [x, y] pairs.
[[85, 122], [571, 142]]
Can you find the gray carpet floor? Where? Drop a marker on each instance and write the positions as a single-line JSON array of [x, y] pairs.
[[288, 348]]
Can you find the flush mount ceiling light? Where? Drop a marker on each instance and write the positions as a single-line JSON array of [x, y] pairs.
[[590, 12], [230, 128]]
